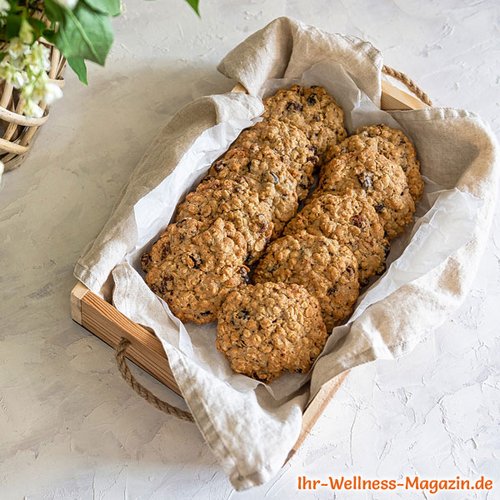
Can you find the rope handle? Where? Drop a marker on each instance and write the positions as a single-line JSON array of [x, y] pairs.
[[408, 82], [121, 360]]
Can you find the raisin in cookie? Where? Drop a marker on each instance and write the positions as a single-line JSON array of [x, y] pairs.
[[263, 165], [271, 328], [234, 202], [267, 175], [395, 146], [374, 177], [351, 221], [197, 272], [174, 235], [312, 110], [292, 146], [326, 269]]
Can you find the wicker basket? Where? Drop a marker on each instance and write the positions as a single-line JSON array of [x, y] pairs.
[[16, 130]]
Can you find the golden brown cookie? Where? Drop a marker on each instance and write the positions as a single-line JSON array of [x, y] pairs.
[[351, 221], [326, 269], [233, 201], [292, 146], [394, 145], [373, 177], [197, 272], [267, 175], [174, 235], [312, 110], [271, 328]]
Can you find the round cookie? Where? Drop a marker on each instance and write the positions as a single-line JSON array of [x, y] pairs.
[[292, 146], [312, 110], [270, 328], [235, 202], [394, 145], [326, 269], [374, 177], [174, 235], [263, 165], [267, 175], [351, 221], [198, 272]]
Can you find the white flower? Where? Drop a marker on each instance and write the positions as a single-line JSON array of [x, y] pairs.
[[70, 4], [18, 79], [52, 93], [32, 109], [38, 58], [25, 68], [17, 48], [12, 75], [4, 8]]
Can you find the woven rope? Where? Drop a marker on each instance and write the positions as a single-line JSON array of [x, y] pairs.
[[409, 83], [121, 354]]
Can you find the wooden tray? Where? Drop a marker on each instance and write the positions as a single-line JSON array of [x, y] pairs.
[[103, 320]]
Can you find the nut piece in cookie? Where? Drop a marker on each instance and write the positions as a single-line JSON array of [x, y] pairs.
[[270, 328], [291, 145], [327, 270], [235, 202], [312, 110], [197, 272], [351, 221], [373, 177]]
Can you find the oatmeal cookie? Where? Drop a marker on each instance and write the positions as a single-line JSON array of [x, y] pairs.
[[262, 164], [326, 269], [351, 221], [174, 235], [235, 202], [267, 175], [312, 110], [198, 272], [394, 145], [374, 177], [270, 328], [292, 146]]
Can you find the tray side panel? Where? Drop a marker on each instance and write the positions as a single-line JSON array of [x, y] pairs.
[[394, 98], [316, 407], [110, 325]]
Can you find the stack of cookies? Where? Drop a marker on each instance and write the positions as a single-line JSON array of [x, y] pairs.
[[340, 239], [309, 266], [245, 201]]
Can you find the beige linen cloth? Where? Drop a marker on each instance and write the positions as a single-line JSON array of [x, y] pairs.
[[250, 427]]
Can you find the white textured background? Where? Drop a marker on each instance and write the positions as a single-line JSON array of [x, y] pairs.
[[71, 428]]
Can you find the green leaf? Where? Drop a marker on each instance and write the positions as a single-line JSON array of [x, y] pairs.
[[111, 7], [195, 6], [54, 11], [13, 25], [85, 33], [77, 64]]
